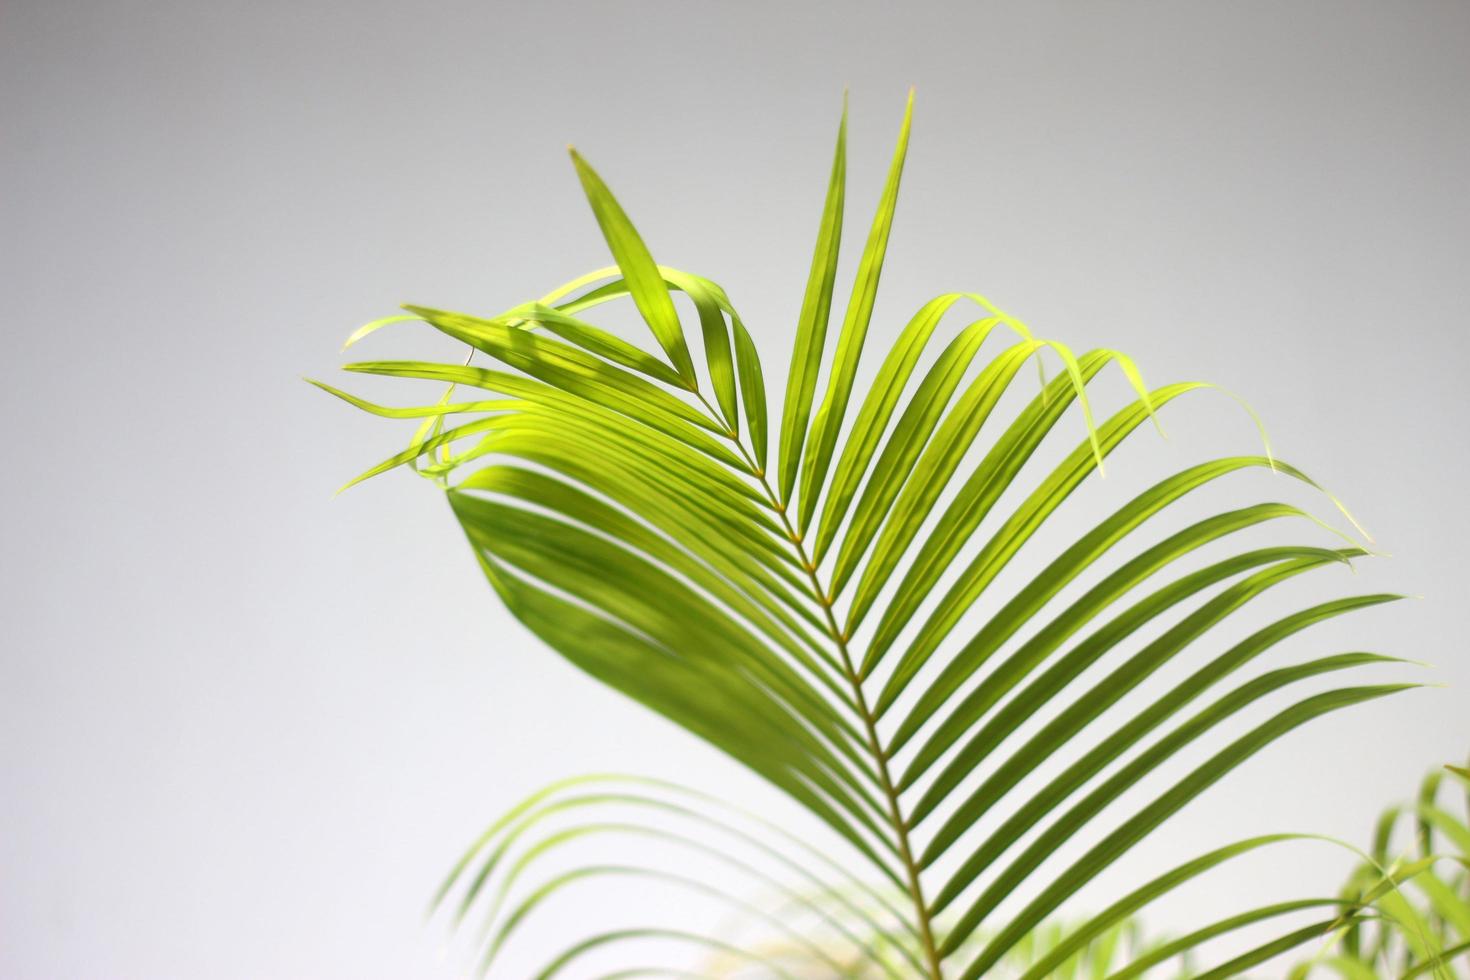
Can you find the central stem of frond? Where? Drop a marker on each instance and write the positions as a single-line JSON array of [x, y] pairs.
[[870, 724], [880, 759]]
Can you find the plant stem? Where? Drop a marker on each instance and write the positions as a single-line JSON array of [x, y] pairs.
[[870, 724]]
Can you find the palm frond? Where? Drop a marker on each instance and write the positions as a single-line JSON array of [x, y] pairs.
[[800, 913], [1421, 925], [832, 622], [810, 909]]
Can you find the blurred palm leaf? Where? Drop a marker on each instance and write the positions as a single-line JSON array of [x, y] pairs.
[[814, 611], [1420, 928]]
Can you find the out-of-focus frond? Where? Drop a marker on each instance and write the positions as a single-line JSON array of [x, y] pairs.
[[1420, 927]]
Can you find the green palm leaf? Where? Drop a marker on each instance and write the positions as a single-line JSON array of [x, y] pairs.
[[832, 624], [1422, 923]]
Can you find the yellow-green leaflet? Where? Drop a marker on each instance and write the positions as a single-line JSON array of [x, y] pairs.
[[644, 282]]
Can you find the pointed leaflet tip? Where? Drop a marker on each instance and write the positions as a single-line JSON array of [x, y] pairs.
[[376, 325], [645, 284], [822, 440], [811, 325]]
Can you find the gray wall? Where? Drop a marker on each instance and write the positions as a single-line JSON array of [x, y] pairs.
[[244, 726]]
